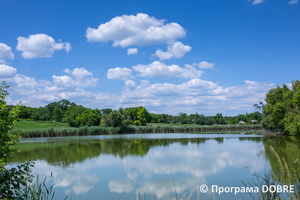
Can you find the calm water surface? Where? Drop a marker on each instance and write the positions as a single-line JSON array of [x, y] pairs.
[[115, 167]]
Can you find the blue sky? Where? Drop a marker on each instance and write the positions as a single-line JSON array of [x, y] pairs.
[[205, 56]]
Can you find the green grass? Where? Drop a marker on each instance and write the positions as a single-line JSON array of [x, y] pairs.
[[25, 124], [163, 124], [198, 125]]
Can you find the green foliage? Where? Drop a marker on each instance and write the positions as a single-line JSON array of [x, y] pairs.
[[89, 118], [106, 120], [116, 119], [77, 116], [58, 114], [7, 119], [246, 118], [282, 110], [11, 180], [219, 119], [139, 115], [72, 114], [14, 180], [155, 118], [183, 118]]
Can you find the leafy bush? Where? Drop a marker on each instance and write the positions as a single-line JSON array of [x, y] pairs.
[[14, 179]]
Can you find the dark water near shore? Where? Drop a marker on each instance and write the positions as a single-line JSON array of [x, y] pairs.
[[117, 166]]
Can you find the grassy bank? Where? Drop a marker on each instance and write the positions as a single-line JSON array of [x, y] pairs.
[[97, 130], [28, 124]]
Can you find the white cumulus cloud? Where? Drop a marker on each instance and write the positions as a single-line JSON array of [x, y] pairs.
[[177, 50], [195, 94], [64, 81], [132, 51], [23, 85], [161, 70], [119, 73], [40, 45], [36, 93], [190, 72], [138, 30], [163, 55], [130, 84], [80, 77], [7, 71], [5, 53], [80, 74], [205, 65]]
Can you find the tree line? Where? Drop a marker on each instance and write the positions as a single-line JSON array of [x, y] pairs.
[[78, 115]]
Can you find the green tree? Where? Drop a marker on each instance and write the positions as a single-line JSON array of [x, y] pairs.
[[278, 101], [155, 118], [71, 116], [116, 119], [106, 120], [219, 118], [14, 179], [89, 118], [200, 119], [183, 118], [141, 116], [24, 112], [43, 114], [58, 114], [209, 120], [77, 116], [281, 111]]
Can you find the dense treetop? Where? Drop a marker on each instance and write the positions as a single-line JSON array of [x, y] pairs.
[[282, 109]]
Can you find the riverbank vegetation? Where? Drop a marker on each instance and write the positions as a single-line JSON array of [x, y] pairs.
[[99, 130], [64, 118], [281, 112]]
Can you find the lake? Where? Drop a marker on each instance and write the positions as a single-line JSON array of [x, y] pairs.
[[117, 166]]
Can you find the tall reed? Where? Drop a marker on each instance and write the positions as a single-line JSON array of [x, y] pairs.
[[99, 130], [37, 191], [289, 175]]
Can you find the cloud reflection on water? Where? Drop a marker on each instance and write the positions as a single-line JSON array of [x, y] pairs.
[[189, 165]]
